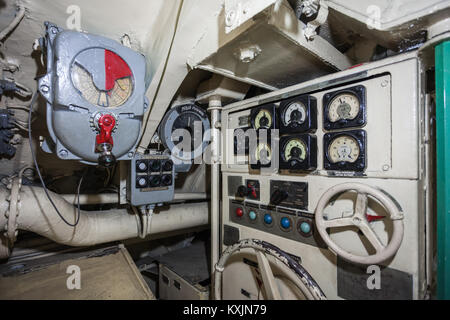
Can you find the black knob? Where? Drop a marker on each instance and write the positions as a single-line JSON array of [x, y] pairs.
[[155, 165], [155, 181], [296, 116], [278, 196], [166, 180], [242, 191], [107, 160], [296, 152], [168, 165], [264, 121]]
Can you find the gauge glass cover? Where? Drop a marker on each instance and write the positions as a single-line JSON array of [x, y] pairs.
[[108, 84], [295, 112], [295, 149], [344, 106], [263, 119], [343, 149]]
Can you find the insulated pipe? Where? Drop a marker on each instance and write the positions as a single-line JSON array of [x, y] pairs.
[[37, 215], [112, 198], [215, 107]]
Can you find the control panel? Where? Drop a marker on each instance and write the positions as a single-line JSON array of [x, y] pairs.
[[151, 180], [339, 169]]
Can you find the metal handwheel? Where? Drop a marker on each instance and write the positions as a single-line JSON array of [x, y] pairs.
[[290, 268], [359, 219]]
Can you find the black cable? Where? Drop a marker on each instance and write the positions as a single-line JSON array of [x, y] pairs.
[[33, 101]]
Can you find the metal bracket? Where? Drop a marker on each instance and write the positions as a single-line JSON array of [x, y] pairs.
[[310, 30], [238, 12]]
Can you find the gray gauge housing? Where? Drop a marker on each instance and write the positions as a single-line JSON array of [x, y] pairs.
[[183, 162], [70, 116]]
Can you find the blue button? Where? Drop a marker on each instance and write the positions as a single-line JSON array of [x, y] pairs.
[[252, 215], [305, 227], [285, 223], [267, 218]]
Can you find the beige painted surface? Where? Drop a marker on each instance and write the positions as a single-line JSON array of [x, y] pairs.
[[113, 276]]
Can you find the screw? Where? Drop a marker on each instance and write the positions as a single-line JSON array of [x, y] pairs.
[[63, 153], [230, 18], [45, 88], [385, 167]]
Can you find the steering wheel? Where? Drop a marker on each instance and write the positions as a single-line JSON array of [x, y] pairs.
[[289, 266], [359, 219]]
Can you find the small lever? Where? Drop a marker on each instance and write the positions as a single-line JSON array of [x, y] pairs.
[[104, 140], [278, 196]]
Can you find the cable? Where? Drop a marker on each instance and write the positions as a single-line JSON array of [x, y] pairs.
[[33, 101]]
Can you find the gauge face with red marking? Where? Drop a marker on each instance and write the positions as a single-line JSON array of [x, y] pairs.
[[102, 77]]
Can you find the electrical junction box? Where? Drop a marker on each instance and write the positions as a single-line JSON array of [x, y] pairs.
[[151, 179], [89, 78]]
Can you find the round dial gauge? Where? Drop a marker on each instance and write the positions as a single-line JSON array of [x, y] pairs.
[[184, 130], [263, 119], [191, 123], [294, 113], [295, 149], [344, 106], [107, 83], [263, 153], [343, 149]]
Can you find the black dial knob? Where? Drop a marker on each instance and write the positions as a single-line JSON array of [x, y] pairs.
[[166, 180], [155, 165], [168, 165], [107, 160], [296, 116], [296, 152], [242, 191], [264, 122], [278, 196], [155, 181]]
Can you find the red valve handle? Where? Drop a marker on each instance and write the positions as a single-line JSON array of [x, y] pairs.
[[106, 123], [371, 218]]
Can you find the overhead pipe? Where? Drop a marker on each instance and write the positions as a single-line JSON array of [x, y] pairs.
[[113, 198], [37, 215]]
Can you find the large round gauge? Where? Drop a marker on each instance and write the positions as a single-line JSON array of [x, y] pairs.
[[263, 153], [294, 114], [344, 106], [263, 119], [343, 149], [185, 131], [295, 149], [298, 152], [102, 77]]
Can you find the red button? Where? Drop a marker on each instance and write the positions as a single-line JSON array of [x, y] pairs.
[[239, 212]]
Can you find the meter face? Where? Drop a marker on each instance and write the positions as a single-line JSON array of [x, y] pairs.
[[295, 149], [344, 149], [344, 107], [263, 119], [294, 113], [102, 77]]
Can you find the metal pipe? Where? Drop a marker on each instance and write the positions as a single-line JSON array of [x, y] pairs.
[[442, 56], [215, 106], [113, 198], [94, 227]]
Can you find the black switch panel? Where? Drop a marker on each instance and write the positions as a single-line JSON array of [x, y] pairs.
[[289, 194]]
